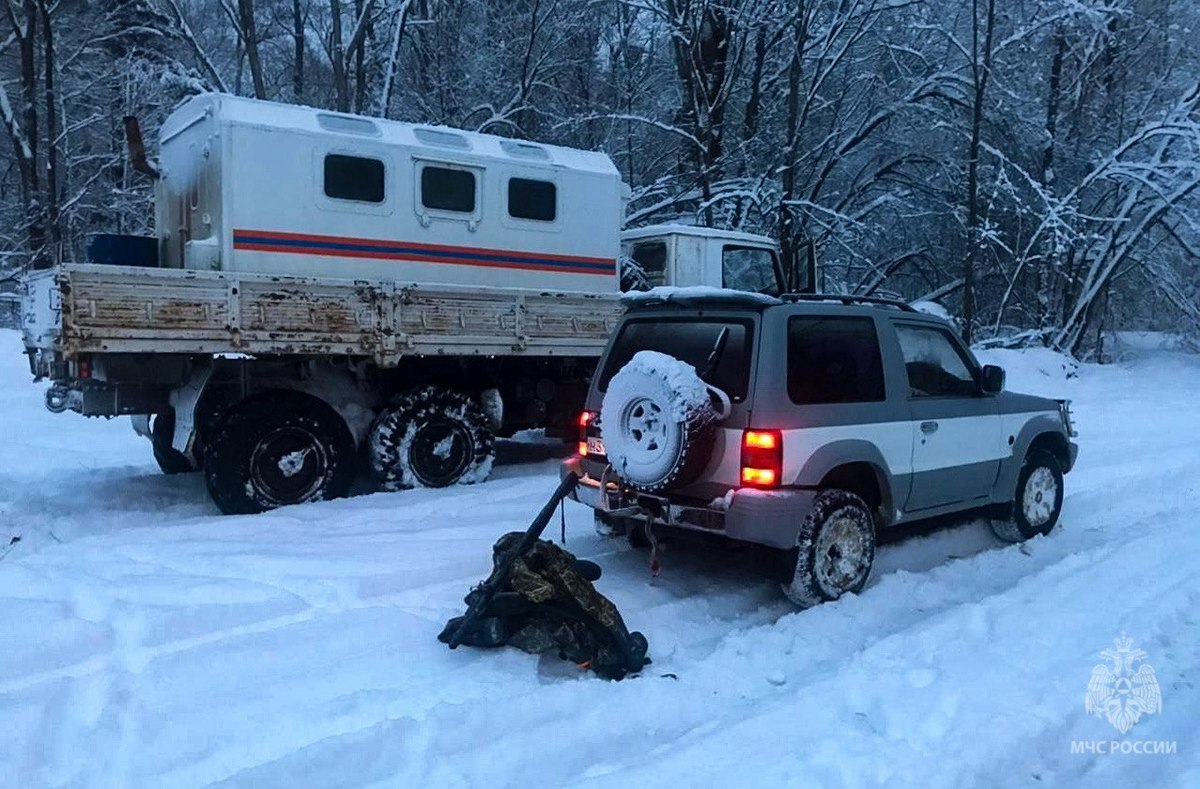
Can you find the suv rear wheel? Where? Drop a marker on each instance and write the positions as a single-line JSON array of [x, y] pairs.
[[834, 550]]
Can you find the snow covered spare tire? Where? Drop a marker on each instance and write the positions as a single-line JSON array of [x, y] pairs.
[[658, 422]]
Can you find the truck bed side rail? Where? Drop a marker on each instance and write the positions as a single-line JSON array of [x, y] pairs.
[[118, 309]]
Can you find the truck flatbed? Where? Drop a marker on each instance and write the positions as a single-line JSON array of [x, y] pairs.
[[77, 309]]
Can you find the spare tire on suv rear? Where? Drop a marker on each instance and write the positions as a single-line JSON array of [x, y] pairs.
[[659, 422]]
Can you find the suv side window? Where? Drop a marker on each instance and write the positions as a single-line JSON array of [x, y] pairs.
[[833, 360], [936, 367]]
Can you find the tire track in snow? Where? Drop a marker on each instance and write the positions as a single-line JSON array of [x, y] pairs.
[[376, 714], [911, 609], [1049, 682]]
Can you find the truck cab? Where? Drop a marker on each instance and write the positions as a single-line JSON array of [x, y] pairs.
[[685, 255]]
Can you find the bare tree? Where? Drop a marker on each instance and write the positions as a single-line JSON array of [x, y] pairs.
[[1033, 165], [249, 35]]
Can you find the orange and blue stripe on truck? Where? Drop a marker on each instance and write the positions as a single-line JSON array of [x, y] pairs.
[[340, 246]]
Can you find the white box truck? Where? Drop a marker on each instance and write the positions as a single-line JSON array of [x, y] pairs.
[[326, 288]]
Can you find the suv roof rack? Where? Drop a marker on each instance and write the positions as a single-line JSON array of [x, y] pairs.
[[848, 300]]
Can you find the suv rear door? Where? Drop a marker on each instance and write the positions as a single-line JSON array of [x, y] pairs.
[[956, 429], [691, 335]]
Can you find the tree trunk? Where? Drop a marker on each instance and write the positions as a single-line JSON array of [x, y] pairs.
[[702, 43], [1043, 273], [337, 58], [393, 64], [53, 222], [298, 41], [30, 175], [753, 109], [789, 238], [360, 59], [250, 39], [981, 70]]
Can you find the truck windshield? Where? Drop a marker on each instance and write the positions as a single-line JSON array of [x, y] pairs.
[[693, 341], [749, 268]]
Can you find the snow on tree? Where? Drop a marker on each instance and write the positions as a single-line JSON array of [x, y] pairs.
[[1033, 167]]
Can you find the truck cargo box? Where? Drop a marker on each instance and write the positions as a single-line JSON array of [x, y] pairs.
[[257, 187]]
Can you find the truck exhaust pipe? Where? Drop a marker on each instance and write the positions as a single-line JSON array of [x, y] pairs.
[[137, 147]]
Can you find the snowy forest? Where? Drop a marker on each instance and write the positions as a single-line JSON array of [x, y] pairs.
[[1033, 165]]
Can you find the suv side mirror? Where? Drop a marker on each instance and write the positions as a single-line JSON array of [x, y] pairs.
[[991, 379]]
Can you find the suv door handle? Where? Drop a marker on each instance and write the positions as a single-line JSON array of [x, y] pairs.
[[929, 427]]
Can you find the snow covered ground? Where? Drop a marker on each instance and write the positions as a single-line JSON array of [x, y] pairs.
[[148, 641]]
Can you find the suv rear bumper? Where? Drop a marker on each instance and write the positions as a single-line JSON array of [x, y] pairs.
[[770, 518]]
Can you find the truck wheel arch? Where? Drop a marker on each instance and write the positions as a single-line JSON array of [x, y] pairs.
[[338, 388]]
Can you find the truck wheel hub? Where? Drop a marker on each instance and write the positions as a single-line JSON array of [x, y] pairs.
[[288, 465], [441, 452]]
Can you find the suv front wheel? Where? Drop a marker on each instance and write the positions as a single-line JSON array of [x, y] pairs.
[[834, 550], [1037, 501]]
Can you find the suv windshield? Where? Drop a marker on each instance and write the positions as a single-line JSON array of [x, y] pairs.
[[693, 341]]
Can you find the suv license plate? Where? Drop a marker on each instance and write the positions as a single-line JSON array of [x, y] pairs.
[[595, 445]]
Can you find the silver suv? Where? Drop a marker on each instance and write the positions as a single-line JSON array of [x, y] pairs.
[[807, 424]]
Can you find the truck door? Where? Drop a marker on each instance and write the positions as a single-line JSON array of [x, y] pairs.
[[688, 266], [956, 429]]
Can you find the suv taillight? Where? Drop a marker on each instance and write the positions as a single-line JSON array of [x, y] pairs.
[[762, 458], [585, 420]]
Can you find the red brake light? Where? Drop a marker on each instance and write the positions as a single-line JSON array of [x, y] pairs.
[[759, 477], [585, 419], [761, 439], [762, 458]]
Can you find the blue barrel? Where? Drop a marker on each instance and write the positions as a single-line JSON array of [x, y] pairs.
[[113, 249]]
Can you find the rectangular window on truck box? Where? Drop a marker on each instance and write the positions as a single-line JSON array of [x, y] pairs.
[[530, 199], [719, 349], [833, 360], [446, 189], [354, 178]]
